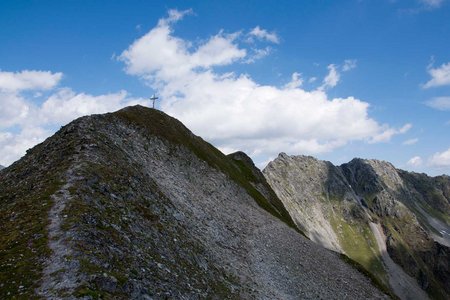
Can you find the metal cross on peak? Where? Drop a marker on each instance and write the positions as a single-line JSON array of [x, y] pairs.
[[153, 98]]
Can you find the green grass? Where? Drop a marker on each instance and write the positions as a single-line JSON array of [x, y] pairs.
[[406, 251], [436, 213], [358, 242], [375, 280], [25, 201]]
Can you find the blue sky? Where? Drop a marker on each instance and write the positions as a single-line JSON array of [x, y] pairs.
[[332, 79]]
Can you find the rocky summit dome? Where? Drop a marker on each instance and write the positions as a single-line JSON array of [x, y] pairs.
[[131, 204]]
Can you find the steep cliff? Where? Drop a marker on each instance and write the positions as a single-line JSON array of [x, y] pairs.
[[133, 205], [339, 207]]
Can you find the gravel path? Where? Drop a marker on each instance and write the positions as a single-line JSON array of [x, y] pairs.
[[60, 273]]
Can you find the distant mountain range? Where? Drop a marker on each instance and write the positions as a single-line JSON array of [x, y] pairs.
[[133, 205], [394, 223]]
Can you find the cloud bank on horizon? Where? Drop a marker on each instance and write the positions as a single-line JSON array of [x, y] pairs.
[[231, 110]]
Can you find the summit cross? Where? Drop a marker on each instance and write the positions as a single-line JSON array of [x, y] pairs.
[[154, 98]]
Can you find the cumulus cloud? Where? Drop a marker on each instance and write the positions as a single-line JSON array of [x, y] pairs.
[[65, 105], [28, 80], [263, 34], [23, 123], [415, 161], [440, 103], [439, 76], [235, 112], [14, 109], [441, 159], [174, 60], [411, 142], [13, 146]]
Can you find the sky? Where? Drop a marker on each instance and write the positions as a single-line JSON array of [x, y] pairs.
[[331, 79]]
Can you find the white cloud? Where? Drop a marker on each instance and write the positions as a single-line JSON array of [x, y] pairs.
[[235, 112], [439, 76], [257, 54], [66, 105], [174, 15], [411, 142], [333, 76], [332, 79], [263, 34], [296, 81], [415, 161], [23, 123], [14, 109], [388, 133], [170, 57], [349, 64], [432, 3], [440, 159], [440, 103], [13, 146], [28, 80]]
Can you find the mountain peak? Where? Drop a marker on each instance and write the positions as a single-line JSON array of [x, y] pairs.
[[131, 204], [338, 206]]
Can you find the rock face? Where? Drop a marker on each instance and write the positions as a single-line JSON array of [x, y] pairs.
[[1, 167], [133, 205], [339, 206]]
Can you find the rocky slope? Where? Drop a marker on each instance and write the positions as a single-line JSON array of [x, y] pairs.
[[1, 167], [339, 207], [133, 205]]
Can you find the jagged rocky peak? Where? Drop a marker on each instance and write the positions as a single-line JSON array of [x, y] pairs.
[[367, 207], [131, 204], [308, 187], [371, 176], [378, 184]]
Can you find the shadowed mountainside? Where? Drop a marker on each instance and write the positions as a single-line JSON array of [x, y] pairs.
[[338, 207]]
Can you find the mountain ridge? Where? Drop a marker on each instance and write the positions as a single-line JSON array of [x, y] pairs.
[[338, 206], [131, 204]]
